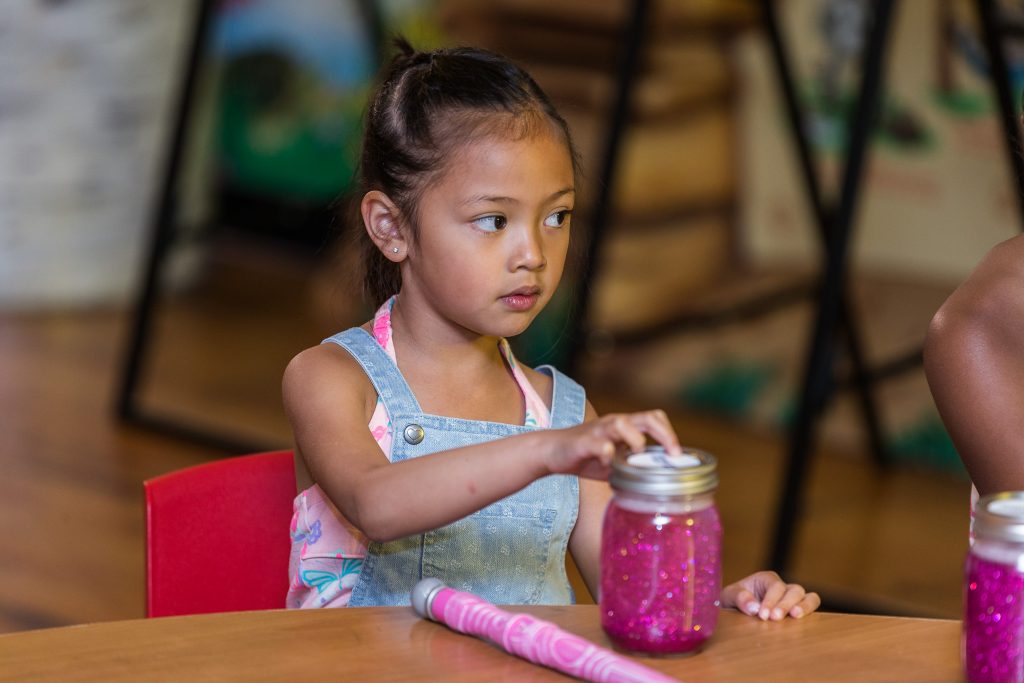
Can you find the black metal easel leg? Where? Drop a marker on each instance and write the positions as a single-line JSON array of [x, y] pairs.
[[1000, 76], [162, 220], [600, 213], [863, 384], [162, 228], [822, 218], [819, 370]]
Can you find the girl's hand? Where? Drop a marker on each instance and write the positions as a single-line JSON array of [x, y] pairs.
[[587, 449], [768, 597]]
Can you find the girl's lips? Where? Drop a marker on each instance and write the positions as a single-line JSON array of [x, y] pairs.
[[521, 301]]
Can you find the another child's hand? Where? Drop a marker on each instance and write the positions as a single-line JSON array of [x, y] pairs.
[[768, 597], [588, 449]]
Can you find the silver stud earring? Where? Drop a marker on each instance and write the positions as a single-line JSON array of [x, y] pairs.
[[394, 249]]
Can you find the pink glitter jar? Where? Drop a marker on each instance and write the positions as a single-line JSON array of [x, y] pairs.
[[661, 560], [992, 648]]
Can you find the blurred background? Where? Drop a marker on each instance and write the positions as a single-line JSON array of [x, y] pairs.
[[174, 189]]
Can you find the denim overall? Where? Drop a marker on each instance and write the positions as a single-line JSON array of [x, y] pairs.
[[510, 552]]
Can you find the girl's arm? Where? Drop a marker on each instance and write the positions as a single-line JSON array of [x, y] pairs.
[[974, 361], [328, 400], [585, 541]]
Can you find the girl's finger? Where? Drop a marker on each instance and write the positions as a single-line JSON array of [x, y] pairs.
[[745, 601], [601, 447], [810, 603], [657, 425], [623, 430], [792, 597], [771, 598]]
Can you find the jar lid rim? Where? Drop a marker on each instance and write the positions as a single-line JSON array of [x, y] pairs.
[[697, 473], [1000, 516]]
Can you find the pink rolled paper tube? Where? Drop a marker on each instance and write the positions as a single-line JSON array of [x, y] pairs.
[[536, 640]]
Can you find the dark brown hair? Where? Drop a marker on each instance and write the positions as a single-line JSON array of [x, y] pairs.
[[427, 104]]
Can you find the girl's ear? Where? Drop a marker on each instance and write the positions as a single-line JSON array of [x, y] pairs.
[[382, 223]]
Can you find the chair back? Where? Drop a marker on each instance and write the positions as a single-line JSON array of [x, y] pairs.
[[217, 536]]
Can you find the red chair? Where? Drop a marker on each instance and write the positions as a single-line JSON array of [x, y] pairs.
[[217, 536]]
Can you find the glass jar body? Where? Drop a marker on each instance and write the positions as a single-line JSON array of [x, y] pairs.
[[993, 629], [661, 572]]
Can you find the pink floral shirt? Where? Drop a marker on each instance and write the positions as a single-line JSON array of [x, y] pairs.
[[327, 550]]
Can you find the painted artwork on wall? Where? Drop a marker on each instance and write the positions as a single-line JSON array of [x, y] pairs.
[[937, 191], [292, 82]]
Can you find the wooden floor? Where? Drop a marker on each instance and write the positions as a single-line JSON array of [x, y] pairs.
[[71, 534]]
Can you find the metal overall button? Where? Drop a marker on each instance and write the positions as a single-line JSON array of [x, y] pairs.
[[413, 433]]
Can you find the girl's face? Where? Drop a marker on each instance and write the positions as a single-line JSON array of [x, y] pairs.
[[493, 232]]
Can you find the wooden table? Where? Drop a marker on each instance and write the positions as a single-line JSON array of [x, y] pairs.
[[392, 644]]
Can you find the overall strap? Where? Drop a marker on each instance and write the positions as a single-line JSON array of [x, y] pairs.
[[568, 399], [392, 388]]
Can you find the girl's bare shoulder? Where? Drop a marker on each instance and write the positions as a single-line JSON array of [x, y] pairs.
[[326, 373]]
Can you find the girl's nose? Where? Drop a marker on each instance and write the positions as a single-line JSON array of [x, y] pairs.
[[529, 251]]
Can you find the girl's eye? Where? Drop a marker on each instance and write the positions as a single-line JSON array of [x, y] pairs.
[[491, 223], [558, 219]]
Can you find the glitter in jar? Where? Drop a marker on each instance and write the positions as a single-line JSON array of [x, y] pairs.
[[671, 605], [993, 632], [993, 623]]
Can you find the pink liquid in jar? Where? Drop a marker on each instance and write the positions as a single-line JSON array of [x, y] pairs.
[[660, 575], [993, 635]]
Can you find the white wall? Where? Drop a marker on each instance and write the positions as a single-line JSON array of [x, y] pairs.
[[84, 98]]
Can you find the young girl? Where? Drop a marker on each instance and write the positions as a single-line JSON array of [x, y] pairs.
[[474, 468]]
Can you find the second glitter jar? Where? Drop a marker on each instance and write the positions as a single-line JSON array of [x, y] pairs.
[[661, 559], [993, 633]]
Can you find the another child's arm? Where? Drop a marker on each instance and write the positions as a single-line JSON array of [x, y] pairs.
[[974, 361], [328, 400], [763, 594]]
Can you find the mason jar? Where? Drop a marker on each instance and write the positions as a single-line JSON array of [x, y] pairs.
[[992, 646], [661, 560]]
